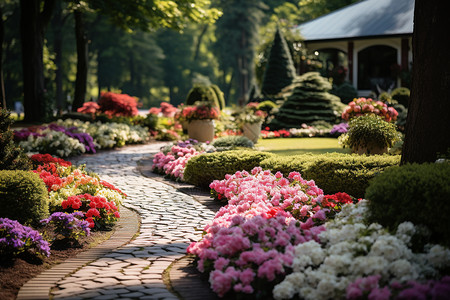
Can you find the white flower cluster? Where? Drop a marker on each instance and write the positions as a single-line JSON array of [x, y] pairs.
[[350, 249], [109, 135], [54, 142]]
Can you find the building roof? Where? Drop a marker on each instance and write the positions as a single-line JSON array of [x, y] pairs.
[[368, 18]]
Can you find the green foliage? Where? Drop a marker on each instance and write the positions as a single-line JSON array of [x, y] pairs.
[[219, 95], [202, 93], [345, 91], [231, 142], [280, 70], [401, 95], [369, 130], [23, 196], [415, 193], [334, 172], [308, 102], [201, 170], [11, 156]]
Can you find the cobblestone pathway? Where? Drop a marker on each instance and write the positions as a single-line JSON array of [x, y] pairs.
[[170, 220]]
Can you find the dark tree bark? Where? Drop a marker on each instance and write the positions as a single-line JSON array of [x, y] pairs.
[[428, 123], [2, 83], [82, 61], [32, 26], [58, 23]]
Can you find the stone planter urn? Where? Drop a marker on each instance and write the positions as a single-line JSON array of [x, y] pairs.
[[201, 130], [369, 149], [252, 131]]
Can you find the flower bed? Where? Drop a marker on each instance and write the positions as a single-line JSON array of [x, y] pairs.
[[282, 238], [305, 131], [171, 160], [248, 246]]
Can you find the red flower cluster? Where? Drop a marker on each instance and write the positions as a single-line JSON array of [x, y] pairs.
[[267, 133], [40, 159], [113, 104], [112, 187], [98, 211], [89, 108], [336, 199], [50, 179], [200, 112]]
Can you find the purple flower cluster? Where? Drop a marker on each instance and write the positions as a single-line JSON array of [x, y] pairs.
[[16, 238], [84, 138], [24, 133], [339, 129], [69, 225]]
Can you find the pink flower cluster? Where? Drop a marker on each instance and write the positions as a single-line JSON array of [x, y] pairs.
[[370, 288], [363, 106], [302, 198], [250, 242], [174, 162]]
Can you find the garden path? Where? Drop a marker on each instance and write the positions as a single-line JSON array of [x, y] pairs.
[[170, 220]]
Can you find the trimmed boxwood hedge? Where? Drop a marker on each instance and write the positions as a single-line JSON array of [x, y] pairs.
[[23, 197], [334, 172], [201, 170], [417, 193]]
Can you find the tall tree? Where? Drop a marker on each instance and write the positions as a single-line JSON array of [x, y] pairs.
[[35, 15], [428, 119], [280, 69], [237, 38]]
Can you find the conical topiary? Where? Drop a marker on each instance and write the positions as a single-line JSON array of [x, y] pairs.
[[308, 102], [11, 156], [280, 70], [202, 93]]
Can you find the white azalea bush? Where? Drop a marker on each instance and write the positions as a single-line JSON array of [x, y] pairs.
[[354, 260], [53, 142], [109, 135]]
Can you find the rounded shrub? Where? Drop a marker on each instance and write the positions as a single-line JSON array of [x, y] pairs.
[[201, 170], [202, 93], [414, 192], [23, 196], [219, 95], [345, 91], [401, 95], [369, 130], [232, 141]]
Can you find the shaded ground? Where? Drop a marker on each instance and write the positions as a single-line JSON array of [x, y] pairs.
[[15, 273]]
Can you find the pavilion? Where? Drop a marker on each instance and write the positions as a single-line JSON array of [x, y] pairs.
[[371, 38]]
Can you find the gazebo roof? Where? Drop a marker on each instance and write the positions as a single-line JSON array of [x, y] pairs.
[[364, 19]]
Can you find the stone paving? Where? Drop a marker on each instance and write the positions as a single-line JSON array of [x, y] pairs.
[[170, 220]]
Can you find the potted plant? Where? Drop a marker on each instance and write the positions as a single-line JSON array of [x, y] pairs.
[[370, 134], [251, 119], [200, 118]]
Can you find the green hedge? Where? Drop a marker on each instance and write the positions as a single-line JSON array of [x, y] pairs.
[[23, 197], [415, 193], [201, 170], [334, 172]]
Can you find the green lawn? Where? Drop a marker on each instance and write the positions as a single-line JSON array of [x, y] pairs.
[[292, 146]]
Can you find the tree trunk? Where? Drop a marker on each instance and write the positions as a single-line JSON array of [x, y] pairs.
[[199, 42], [32, 35], [2, 83], [58, 23], [82, 61], [428, 123], [32, 26]]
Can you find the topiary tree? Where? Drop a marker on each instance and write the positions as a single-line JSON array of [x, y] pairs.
[[309, 101], [203, 93], [11, 156], [280, 70], [219, 95], [346, 91]]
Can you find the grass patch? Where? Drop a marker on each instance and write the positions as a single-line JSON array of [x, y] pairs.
[[294, 146]]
